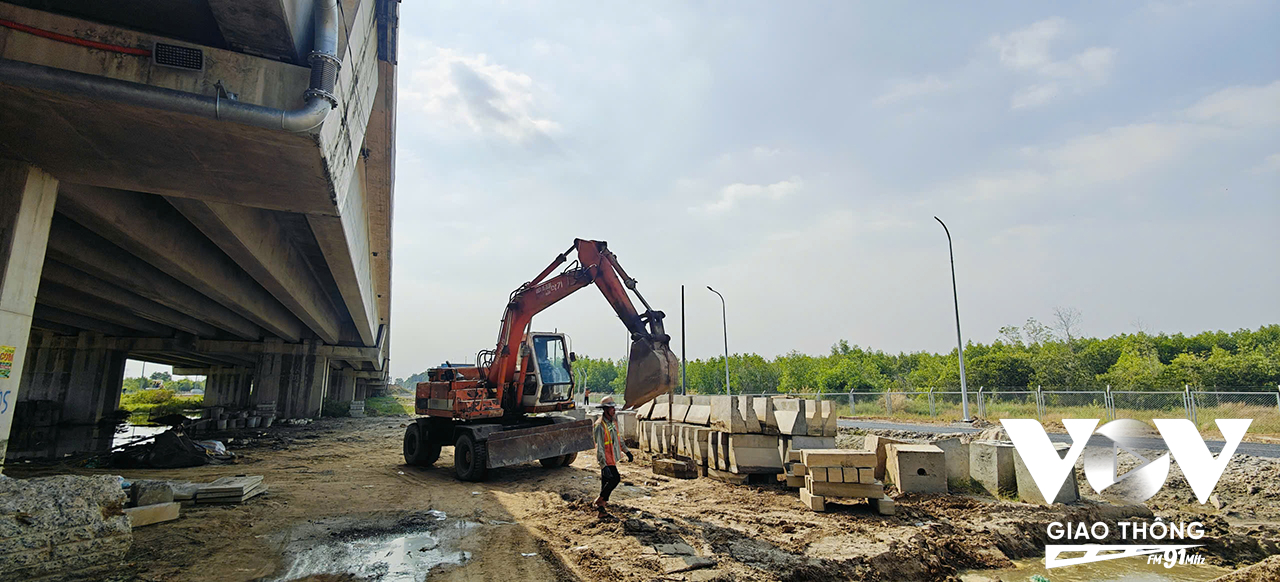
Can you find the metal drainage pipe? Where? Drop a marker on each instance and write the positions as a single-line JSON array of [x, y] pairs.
[[320, 99]]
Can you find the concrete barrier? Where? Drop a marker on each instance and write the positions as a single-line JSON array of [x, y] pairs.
[[746, 406], [764, 414], [956, 454], [726, 416], [813, 419], [991, 465], [753, 453], [699, 411], [680, 408], [1028, 492], [790, 416]]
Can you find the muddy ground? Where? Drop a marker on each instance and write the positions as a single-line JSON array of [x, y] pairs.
[[339, 483]]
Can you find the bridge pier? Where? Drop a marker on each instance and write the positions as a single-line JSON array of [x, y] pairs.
[[345, 385], [27, 197]]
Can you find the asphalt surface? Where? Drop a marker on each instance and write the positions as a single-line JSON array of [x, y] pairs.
[[1245, 448]]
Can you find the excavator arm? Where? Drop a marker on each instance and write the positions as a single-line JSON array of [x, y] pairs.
[[652, 368]]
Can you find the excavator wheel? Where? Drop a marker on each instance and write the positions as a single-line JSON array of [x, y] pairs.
[[470, 458], [418, 451], [558, 461]]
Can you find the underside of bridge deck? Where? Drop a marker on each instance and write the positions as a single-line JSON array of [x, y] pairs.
[[148, 212]]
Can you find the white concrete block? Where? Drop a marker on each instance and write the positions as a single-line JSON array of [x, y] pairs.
[[790, 416]]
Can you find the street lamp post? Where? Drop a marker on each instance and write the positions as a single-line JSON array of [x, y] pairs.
[[964, 390], [724, 317]]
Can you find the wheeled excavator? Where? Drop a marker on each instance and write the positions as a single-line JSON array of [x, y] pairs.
[[508, 408]]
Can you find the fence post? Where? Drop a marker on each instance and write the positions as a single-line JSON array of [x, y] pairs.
[[1108, 404], [1188, 402], [933, 413], [982, 411], [1039, 402], [888, 404], [1277, 396]]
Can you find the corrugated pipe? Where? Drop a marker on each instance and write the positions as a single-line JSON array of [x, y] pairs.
[[319, 95]]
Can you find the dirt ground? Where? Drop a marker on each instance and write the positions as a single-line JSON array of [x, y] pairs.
[[339, 480]]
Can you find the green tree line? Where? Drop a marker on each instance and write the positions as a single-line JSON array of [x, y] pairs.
[[1033, 354], [166, 382]]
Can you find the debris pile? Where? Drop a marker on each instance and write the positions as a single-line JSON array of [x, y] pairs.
[[60, 526]]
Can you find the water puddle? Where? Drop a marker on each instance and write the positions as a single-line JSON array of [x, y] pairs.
[[408, 555], [1133, 569]]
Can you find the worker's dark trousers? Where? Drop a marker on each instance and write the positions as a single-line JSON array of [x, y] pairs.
[[609, 478]]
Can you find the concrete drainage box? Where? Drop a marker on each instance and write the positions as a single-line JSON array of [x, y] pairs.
[[916, 468]]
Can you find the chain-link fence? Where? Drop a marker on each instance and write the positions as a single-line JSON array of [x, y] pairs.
[[1201, 406]]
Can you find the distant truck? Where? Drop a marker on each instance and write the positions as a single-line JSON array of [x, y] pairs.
[[504, 410]]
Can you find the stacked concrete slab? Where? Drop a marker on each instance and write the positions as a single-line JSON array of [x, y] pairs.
[[839, 473]]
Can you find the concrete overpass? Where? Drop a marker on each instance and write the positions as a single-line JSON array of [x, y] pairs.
[[200, 183]]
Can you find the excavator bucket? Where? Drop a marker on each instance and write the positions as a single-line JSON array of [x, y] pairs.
[[653, 370]]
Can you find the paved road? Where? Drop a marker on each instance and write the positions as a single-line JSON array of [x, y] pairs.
[[1255, 449]]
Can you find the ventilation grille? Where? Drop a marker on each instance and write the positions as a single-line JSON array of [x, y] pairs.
[[178, 57]]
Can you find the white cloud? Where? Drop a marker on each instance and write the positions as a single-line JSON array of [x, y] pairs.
[[1240, 106], [903, 89], [1269, 165], [733, 194], [471, 93], [764, 152], [1122, 152], [1027, 51], [1033, 95]]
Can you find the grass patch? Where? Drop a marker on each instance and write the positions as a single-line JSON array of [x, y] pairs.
[[148, 404], [388, 406]]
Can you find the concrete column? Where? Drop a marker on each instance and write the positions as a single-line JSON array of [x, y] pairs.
[[93, 387], [303, 380], [345, 385], [244, 386], [213, 387], [266, 378], [27, 196]]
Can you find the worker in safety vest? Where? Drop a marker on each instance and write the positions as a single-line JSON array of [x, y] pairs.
[[609, 447]]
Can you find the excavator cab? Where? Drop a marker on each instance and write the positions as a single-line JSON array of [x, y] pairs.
[[549, 377]]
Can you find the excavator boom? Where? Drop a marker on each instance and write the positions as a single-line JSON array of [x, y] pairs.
[[652, 368]]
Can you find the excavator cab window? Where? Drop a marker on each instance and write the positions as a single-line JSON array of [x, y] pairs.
[[553, 369], [552, 363]]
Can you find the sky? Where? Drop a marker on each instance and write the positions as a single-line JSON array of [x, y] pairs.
[[1121, 159]]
